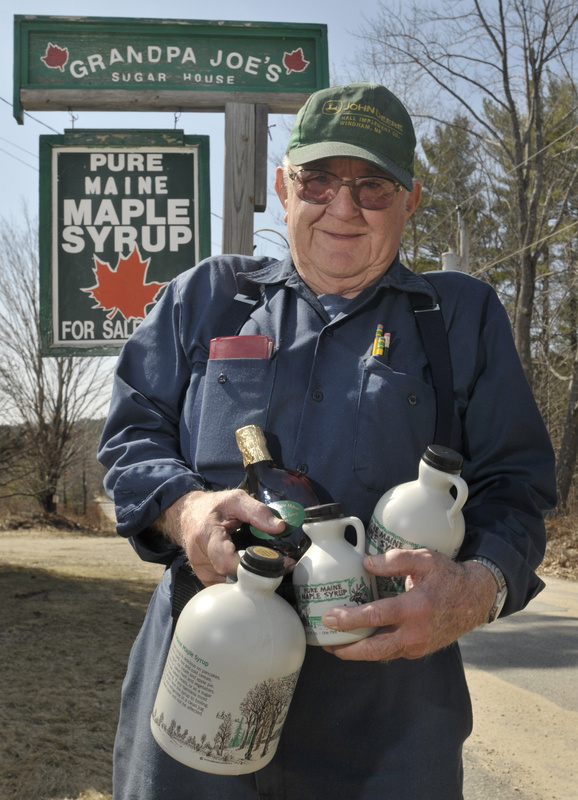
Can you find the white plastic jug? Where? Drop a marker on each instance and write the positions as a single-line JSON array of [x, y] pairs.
[[231, 671], [331, 573], [421, 513]]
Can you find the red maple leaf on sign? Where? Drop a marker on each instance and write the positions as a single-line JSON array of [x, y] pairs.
[[123, 289], [295, 61], [55, 57]]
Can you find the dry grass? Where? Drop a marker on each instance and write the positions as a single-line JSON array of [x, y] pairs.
[[64, 647]]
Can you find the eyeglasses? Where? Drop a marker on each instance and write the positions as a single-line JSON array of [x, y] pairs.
[[319, 187]]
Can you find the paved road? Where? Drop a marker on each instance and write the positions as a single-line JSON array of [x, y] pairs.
[[523, 677]]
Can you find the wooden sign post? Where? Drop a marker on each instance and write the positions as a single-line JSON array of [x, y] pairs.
[[245, 178]]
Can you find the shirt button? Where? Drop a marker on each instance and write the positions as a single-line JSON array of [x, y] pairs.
[[412, 400], [222, 378], [303, 469], [329, 332], [317, 396]]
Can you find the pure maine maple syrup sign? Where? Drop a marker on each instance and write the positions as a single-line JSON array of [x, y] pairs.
[[85, 63], [120, 217]]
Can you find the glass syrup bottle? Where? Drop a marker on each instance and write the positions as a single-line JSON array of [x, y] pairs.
[[285, 491]]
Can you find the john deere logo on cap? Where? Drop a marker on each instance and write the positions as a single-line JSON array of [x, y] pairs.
[[332, 107]]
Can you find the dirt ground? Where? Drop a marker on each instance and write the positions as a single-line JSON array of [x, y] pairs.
[[72, 605]]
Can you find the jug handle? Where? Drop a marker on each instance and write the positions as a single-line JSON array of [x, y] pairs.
[[360, 531], [461, 497]]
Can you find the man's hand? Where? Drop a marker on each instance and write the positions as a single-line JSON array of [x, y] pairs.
[[443, 600], [201, 522]]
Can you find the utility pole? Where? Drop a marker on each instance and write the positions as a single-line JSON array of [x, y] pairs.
[[458, 261]]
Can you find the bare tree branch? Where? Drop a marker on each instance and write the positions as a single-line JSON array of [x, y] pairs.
[[47, 400]]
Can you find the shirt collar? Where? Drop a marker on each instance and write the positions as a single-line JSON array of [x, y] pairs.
[[273, 272], [396, 277]]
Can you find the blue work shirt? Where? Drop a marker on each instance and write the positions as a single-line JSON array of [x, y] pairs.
[[355, 424]]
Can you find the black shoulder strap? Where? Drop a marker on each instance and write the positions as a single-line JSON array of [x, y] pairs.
[[185, 586], [434, 336]]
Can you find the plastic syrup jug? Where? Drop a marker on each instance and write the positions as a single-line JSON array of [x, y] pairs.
[[231, 671], [331, 573], [421, 513]]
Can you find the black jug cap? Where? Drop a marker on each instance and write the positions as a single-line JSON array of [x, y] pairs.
[[443, 458], [263, 561], [323, 512]]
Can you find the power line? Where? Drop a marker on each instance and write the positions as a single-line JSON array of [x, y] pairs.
[[39, 121], [19, 159], [259, 232], [523, 163], [526, 161], [18, 147], [12, 144], [486, 267]]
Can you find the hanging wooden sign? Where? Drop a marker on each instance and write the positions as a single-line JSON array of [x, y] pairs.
[[121, 214], [88, 63]]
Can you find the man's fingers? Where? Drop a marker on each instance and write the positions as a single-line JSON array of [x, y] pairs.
[[369, 615], [235, 506], [399, 562], [209, 518], [384, 645]]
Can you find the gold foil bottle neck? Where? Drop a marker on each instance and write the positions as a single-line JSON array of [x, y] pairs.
[[252, 444]]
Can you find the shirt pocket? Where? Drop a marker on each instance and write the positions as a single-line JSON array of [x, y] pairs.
[[236, 392], [396, 416]]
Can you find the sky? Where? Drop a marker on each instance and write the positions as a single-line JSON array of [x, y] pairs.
[[19, 143]]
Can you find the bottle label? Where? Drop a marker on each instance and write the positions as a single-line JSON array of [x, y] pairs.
[[314, 599], [203, 722], [289, 511], [378, 540]]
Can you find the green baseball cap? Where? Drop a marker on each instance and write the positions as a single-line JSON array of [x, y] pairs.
[[361, 120]]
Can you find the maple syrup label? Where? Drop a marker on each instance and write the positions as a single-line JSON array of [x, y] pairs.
[[201, 719], [188, 679], [313, 600], [378, 540], [292, 514]]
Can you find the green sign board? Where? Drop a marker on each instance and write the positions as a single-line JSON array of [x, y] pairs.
[[87, 63], [121, 214]]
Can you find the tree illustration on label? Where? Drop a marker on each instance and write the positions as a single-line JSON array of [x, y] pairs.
[[245, 733], [124, 289], [295, 61], [55, 57]]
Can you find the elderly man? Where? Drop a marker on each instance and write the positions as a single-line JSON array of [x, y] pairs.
[[356, 424]]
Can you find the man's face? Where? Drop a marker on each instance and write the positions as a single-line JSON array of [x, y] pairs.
[[340, 248]]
